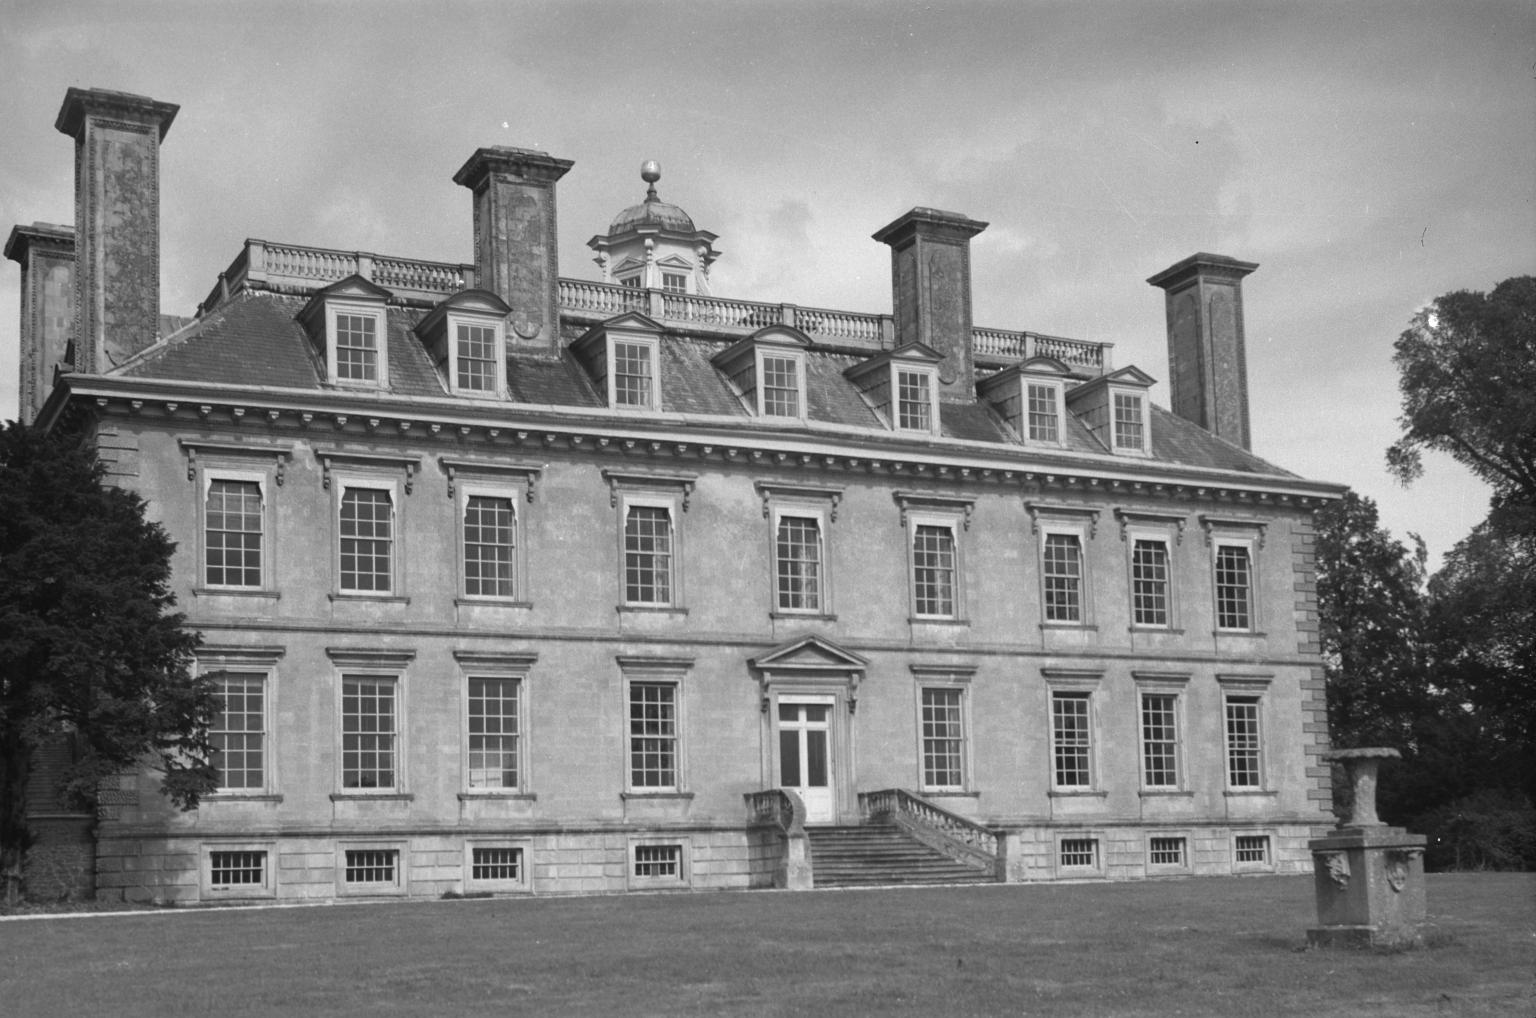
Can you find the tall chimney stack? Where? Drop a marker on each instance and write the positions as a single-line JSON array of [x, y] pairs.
[[1207, 362], [117, 222], [516, 241], [46, 254], [931, 291]]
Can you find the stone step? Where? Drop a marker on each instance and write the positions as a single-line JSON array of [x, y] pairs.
[[869, 856]]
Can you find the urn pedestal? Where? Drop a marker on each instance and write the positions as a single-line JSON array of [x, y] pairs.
[[1368, 877]]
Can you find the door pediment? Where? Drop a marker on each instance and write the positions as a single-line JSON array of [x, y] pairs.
[[810, 664]]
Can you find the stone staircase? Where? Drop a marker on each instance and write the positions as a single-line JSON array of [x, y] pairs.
[[874, 854]]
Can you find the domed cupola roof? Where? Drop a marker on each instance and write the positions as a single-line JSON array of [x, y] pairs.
[[653, 211]]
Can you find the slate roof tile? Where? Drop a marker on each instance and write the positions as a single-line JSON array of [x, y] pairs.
[[256, 338]]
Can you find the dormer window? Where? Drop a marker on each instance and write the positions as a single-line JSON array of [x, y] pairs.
[[903, 387], [1031, 398], [914, 400], [781, 380], [632, 382], [1130, 422], [347, 321], [623, 358], [1115, 408], [466, 336], [767, 370], [1043, 420], [355, 350]]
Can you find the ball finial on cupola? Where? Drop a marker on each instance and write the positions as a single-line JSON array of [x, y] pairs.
[[650, 172]]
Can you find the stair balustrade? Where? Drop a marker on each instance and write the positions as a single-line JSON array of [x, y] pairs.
[[961, 839], [781, 812]]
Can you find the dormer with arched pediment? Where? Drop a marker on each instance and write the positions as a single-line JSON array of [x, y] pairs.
[[1116, 407], [655, 246], [1031, 398], [767, 371], [346, 321], [902, 385], [466, 336], [623, 358]]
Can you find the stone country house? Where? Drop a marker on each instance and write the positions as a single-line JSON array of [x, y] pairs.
[[519, 583]]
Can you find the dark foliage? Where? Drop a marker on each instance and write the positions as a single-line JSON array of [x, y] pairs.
[[89, 640]]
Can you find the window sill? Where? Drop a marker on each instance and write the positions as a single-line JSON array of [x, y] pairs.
[[1249, 633], [491, 602], [372, 797], [949, 793], [633, 794], [650, 609], [341, 595], [1077, 793], [805, 616], [1085, 627], [1241, 793], [1166, 793], [270, 595], [937, 620], [243, 797], [1171, 631], [481, 794]]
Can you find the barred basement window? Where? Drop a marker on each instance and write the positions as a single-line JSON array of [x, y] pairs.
[[230, 870], [664, 861], [1166, 852], [496, 863], [1063, 567], [371, 865], [1234, 588], [1149, 583], [1253, 848], [1080, 853]]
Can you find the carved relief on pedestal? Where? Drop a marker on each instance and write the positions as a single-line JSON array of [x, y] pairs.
[[1398, 865], [1338, 868]]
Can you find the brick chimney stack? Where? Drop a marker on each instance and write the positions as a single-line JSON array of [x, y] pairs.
[[1207, 362], [516, 242], [46, 254], [931, 291], [117, 222]]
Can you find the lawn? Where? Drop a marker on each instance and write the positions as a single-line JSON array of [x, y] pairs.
[[1221, 946]]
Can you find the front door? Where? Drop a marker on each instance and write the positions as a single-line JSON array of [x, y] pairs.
[[805, 755]]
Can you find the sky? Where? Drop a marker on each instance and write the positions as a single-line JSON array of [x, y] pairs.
[[1369, 156]]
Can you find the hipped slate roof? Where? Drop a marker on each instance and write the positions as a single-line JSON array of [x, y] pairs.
[[255, 340]]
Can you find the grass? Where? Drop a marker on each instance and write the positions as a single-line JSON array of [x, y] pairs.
[[1221, 946]]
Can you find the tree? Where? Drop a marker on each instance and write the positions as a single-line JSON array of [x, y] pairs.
[[1370, 598], [89, 643], [1467, 371]]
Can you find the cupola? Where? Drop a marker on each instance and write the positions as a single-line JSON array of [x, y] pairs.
[[655, 246]]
